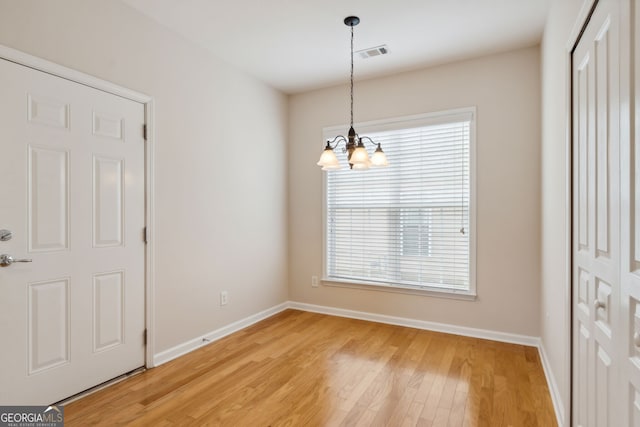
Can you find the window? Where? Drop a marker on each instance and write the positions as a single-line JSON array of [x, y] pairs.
[[410, 225]]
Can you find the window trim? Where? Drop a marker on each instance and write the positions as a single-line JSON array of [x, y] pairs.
[[400, 123]]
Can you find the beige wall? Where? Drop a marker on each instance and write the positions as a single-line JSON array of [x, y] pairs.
[[220, 156], [555, 291], [505, 88]]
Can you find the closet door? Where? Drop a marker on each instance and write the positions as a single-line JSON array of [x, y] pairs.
[[596, 213], [630, 217]]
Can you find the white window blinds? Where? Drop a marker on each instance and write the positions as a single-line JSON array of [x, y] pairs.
[[406, 225]]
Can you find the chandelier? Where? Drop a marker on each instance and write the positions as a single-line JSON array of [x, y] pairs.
[[357, 156]]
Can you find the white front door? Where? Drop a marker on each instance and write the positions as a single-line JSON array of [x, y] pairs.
[[72, 194], [596, 220]]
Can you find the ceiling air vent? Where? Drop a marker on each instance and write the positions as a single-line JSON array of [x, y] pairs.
[[373, 51]]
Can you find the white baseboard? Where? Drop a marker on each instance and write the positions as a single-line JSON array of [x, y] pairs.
[[195, 343], [553, 385], [420, 324], [212, 336]]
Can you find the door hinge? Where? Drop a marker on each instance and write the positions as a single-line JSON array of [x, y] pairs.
[[144, 235], [144, 131], [144, 337]]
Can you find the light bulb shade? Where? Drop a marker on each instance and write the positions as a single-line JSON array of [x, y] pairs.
[[328, 160], [379, 159], [360, 156]]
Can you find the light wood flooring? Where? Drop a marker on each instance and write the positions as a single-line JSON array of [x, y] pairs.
[[306, 369]]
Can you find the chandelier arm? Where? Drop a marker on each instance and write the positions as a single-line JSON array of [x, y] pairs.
[[363, 138], [337, 140]]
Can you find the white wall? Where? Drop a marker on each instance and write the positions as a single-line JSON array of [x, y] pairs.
[[555, 297], [220, 156], [506, 90]]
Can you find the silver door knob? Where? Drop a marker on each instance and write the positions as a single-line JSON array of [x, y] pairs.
[[7, 260], [597, 304]]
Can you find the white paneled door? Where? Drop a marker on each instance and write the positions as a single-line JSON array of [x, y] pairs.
[[606, 289], [72, 196], [596, 211], [630, 232]]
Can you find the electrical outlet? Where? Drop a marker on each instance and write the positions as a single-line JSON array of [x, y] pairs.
[[314, 281], [224, 298]]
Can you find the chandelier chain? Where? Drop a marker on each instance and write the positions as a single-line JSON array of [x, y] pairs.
[[352, 76]]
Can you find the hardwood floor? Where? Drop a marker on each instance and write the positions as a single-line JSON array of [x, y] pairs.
[[307, 369]]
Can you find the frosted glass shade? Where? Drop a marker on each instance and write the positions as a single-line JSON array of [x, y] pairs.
[[379, 159], [360, 156], [328, 160]]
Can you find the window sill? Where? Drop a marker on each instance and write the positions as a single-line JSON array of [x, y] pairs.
[[400, 289]]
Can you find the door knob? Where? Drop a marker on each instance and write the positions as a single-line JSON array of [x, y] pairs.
[[7, 260], [598, 304], [636, 339]]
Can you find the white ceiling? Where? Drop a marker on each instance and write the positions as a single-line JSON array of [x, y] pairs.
[[298, 45]]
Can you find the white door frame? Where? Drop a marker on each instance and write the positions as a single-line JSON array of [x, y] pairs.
[[43, 65]]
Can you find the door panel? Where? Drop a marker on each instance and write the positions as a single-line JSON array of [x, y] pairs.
[[48, 211], [48, 330], [108, 310], [48, 111], [108, 195], [581, 367], [73, 317], [603, 387], [634, 409], [108, 126], [581, 99]]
